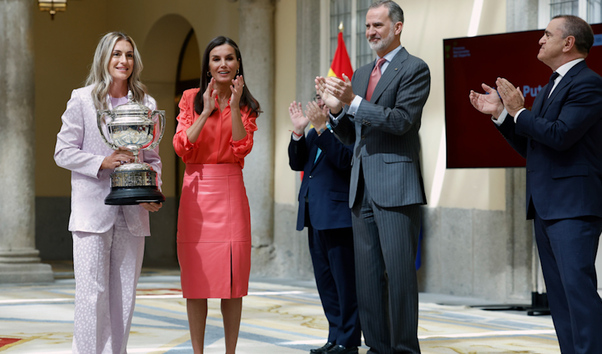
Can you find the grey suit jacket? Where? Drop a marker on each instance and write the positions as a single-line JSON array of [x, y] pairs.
[[384, 132]]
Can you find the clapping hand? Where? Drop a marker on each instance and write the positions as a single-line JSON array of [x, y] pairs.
[[488, 102], [209, 97], [316, 115], [512, 97], [299, 121], [333, 103], [237, 87], [341, 89]]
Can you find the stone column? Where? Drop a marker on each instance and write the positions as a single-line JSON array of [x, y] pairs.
[[308, 47], [19, 261], [256, 42], [521, 15]]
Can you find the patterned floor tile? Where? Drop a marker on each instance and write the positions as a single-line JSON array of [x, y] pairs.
[[278, 318]]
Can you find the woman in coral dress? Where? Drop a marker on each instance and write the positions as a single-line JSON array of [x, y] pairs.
[[214, 134]]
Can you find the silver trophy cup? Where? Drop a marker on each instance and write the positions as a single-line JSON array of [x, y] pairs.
[[134, 127]]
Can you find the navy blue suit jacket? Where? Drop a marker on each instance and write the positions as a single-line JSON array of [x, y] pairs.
[[562, 142], [325, 182]]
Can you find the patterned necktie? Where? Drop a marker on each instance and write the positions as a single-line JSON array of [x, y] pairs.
[[374, 77], [550, 85]]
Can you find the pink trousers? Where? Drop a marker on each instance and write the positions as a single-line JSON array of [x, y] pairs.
[[106, 267]]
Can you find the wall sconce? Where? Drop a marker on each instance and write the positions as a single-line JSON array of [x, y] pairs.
[[52, 6]]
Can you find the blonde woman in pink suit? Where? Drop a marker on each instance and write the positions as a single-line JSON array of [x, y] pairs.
[[215, 132], [108, 241]]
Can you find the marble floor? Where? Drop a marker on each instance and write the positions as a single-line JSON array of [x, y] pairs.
[[278, 317]]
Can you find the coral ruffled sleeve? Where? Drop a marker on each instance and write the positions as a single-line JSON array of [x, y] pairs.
[[181, 143], [242, 147]]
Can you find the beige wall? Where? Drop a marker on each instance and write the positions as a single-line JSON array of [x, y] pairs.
[[285, 189], [427, 23], [62, 58]]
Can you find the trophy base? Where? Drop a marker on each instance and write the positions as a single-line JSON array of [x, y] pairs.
[[134, 195], [134, 184]]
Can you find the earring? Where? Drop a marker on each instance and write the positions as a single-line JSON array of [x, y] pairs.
[[237, 72], [208, 74]]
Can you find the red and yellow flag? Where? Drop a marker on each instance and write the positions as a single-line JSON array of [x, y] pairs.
[[341, 64]]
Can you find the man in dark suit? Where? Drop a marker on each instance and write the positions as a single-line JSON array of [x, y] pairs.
[[382, 116], [561, 138], [323, 200]]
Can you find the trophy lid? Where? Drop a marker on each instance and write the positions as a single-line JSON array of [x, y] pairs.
[[131, 111]]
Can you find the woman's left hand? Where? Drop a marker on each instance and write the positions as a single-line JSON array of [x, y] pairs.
[[152, 207], [237, 87], [209, 97]]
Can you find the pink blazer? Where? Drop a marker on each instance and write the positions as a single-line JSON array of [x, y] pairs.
[[81, 149]]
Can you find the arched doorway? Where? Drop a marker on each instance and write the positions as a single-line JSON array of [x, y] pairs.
[[188, 76], [168, 51]]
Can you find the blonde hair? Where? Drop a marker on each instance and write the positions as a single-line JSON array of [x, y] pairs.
[[99, 72]]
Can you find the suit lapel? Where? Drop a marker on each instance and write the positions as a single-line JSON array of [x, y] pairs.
[[566, 80], [362, 76]]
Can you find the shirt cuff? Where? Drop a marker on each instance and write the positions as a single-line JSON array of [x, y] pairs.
[[518, 113], [296, 137], [355, 105], [501, 118], [337, 117]]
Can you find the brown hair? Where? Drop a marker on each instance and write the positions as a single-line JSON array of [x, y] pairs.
[[246, 100]]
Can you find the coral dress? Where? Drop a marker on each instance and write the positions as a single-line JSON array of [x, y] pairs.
[[214, 223]]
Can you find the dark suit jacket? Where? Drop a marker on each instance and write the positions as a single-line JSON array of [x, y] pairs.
[[385, 132], [562, 142], [325, 182]]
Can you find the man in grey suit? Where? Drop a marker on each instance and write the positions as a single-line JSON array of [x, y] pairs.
[[386, 188]]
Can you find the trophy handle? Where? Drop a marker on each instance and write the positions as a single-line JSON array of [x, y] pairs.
[[161, 128], [100, 119]]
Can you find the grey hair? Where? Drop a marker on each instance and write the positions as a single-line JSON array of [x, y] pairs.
[[395, 11], [100, 77], [580, 29]]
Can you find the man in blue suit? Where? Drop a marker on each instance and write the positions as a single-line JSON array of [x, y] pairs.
[[380, 111], [561, 138], [323, 199]]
